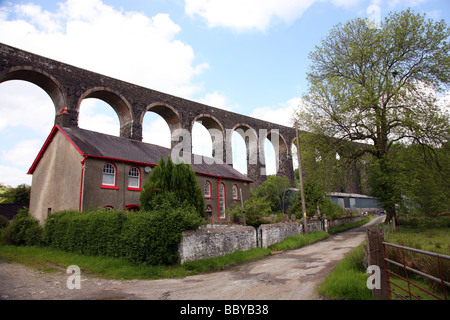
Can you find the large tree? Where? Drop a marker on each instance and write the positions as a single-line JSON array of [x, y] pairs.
[[380, 85]]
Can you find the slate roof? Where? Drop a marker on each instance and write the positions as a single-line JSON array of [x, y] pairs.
[[100, 145]]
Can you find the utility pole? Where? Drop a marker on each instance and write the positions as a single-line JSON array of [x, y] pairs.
[[300, 176]]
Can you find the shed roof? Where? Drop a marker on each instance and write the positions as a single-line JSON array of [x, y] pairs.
[[99, 145]]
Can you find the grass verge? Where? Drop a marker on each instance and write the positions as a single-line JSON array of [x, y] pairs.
[[348, 280]]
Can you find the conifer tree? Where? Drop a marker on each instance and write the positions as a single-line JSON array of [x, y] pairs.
[[178, 179]]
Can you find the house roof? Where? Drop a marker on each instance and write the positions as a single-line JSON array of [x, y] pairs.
[[93, 144]]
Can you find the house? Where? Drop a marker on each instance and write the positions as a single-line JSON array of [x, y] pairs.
[[86, 170]]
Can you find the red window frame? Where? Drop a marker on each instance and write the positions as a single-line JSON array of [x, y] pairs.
[[224, 200]]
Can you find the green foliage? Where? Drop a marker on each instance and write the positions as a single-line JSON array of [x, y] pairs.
[[4, 222], [90, 233], [19, 195], [381, 86], [315, 196], [348, 279], [23, 230], [176, 178], [145, 237], [255, 210], [153, 237], [272, 191]]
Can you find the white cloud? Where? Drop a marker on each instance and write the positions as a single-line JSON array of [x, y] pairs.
[[22, 152], [13, 176], [244, 15], [216, 100], [25, 105], [282, 114], [92, 35]]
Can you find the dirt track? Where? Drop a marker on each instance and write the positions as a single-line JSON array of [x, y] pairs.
[[292, 275]]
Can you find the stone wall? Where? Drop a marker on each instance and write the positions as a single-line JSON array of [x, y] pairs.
[[216, 240], [269, 234]]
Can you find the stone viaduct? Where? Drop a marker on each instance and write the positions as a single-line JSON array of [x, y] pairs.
[[68, 86]]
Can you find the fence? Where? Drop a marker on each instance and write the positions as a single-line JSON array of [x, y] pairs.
[[378, 255]]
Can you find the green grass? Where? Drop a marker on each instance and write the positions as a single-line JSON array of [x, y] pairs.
[[430, 239], [348, 280], [299, 240], [344, 227]]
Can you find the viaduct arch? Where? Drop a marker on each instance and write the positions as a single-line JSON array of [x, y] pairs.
[[67, 86]]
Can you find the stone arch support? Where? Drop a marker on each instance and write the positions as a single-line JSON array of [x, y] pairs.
[[43, 80], [120, 105], [217, 133], [170, 115]]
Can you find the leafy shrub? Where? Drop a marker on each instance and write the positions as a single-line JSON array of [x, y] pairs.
[[178, 179], [145, 237], [153, 237], [23, 230], [255, 210], [4, 222]]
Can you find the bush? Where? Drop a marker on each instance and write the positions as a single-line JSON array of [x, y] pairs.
[[145, 237], [178, 179], [4, 222], [23, 230], [254, 211]]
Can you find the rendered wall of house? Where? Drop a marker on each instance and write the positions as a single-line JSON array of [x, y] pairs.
[[229, 201], [95, 196], [56, 179]]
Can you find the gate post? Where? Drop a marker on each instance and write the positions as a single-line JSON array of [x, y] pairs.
[[375, 238]]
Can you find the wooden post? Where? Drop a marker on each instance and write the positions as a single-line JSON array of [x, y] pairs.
[[375, 238]]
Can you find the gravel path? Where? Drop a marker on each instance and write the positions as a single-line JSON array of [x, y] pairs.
[[291, 275]]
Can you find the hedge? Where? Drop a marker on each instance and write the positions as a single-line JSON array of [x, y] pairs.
[[142, 237]]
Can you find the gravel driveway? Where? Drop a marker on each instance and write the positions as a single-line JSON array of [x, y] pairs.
[[291, 275]]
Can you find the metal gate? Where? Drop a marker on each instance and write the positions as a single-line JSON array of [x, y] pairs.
[[408, 271]]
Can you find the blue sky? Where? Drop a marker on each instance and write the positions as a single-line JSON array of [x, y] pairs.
[[250, 57]]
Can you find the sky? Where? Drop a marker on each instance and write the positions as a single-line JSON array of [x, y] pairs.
[[246, 56]]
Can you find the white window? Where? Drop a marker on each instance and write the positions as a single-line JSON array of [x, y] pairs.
[[207, 189], [109, 175], [133, 178], [222, 204], [235, 192]]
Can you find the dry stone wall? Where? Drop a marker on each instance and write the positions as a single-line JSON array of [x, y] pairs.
[[217, 240]]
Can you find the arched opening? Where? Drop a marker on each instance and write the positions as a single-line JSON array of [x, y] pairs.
[[43, 80], [201, 141], [270, 158], [245, 148], [161, 125], [155, 130], [99, 117], [27, 117], [276, 152], [208, 138], [239, 153]]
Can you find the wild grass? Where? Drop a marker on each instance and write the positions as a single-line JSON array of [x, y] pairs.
[[348, 279]]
